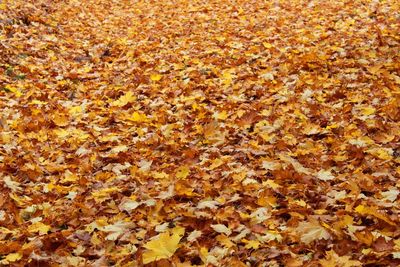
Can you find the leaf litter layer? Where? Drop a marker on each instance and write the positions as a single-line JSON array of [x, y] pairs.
[[189, 133]]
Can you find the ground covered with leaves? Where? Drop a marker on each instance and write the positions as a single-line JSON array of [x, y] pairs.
[[199, 133]]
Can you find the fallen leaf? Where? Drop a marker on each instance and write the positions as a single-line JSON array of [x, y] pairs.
[[182, 172], [220, 228], [39, 228], [12, 257], [194, 235], [127, 98], [325, 175], [311, 231], [163, 246], [334, 260], [155, 77]]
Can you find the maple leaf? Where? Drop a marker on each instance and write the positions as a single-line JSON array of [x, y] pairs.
[[225, 241], [155, 77], [39, 227], [145, 165], [115, 230], [334, 260], [366, 210], [69, 177], [325, 175], [12, 257], [194, 235], [117, 149], [129, 97], [60, 119], [163, 246], [14, 186], [129, 205], [220, 228], [11, 88], [270, 165], [211, 204], [251, 244], [311, 231], [160, 175], [138, 117], [182, 172], [390, 195], [271, 235], [227, 77], [223, 115], [216, 163], [267, 45], [272, 184], [382, 153]]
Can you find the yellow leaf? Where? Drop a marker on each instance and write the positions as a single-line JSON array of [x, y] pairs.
[[160, 175], [95, 239], [301, 203], [104, 193], [225, 241], [334, 260], [14, 90], [364, 210], [203, 254], [87, 69], [227, 77], [222, 115], [216, 163], [75, 110], [38, 102], [182, 172], [155, 77], [381, 153], [267, 45], [19, 200], [183, 189], [124, 100], [272, 184], [220, 38], [138, 117], [70, 177], [251, 244], [163, 246], [60, 119], [39, 227], [368, 111], [13, 257]]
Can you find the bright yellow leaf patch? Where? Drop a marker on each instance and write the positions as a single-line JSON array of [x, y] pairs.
[[163, 246]]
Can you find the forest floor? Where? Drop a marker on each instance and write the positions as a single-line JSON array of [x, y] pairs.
[[199, 133]]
